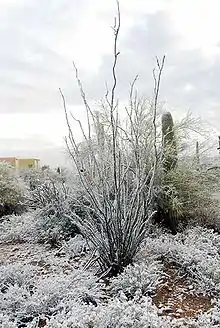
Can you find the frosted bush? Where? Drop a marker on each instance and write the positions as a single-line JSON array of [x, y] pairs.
[[9, 186], [5, 322], [78, 316], [20, 228], [24, 297], [35, 226], [196, 250], [53, 292], [76, 246], [12, 190], [44, 187], [28, 227], [13, 299], [130, 315], [116, 314], [52, 195], [140, 278], [55, 223], [15, 287], [15, 274]]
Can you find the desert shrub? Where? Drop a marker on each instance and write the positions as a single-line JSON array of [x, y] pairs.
[[137, 279], [50, 193], [196, 250], [115, 314], [44, 187], [187, 196], [18, 228], [76, 246], [11, 191], [130, 314], [185, 188], [37, 227], [15, 275], [23, 297], [52, 225], [118, 189]]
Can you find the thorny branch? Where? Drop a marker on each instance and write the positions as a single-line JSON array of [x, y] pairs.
[[157, 83], [116, 30]]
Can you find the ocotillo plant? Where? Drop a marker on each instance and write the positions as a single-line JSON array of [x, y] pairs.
[[169, 142]]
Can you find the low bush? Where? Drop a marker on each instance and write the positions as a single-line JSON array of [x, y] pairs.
[[23, 297], [18, 228], [50, 194], [196, 250], [11, 191], [186, 197], [37, 227], [137, 279]]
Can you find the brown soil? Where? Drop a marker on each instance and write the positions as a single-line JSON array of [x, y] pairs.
[[177, 298], [45, 260]]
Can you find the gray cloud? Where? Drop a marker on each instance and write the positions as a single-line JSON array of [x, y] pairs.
[[31, 68], [47, 152], [190, 80]]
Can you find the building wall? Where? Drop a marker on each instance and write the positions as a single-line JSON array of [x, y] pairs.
[[21, 162], [28, 162], [10, 160]]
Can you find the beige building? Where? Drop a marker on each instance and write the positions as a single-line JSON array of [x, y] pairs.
[[13, 161], [21, 162]]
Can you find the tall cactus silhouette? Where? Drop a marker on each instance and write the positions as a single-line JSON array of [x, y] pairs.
[[169, 212], [169, 142], [197, 155]]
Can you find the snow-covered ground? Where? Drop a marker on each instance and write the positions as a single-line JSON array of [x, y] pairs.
[[173, 282]]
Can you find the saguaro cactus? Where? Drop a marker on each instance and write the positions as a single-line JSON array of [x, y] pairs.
[[197, 155], [168, 212], [169, 142]]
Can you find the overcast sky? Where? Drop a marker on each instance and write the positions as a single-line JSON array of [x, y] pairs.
[[40, 38]]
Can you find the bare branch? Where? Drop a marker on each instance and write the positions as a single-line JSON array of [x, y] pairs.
[[83, 95]]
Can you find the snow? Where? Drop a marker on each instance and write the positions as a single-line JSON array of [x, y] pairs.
[[37, 281]]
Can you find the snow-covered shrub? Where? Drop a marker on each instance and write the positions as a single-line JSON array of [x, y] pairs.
[[130, 314], [51, 194], [19, 228], [37, 227], [15, 274], [54, 225], [23, 294], [45, 187], [75, 246], [52, 294], [77, 316], [115, 314], [11, 190], [15, 287], [189, 194], [197, 250], [6, 322], [140, 278], [117, 164]]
